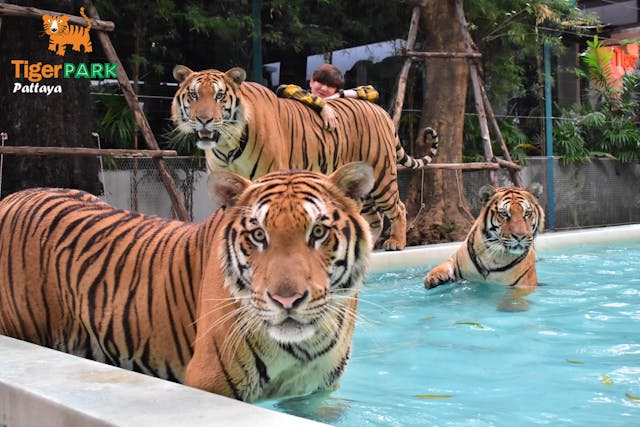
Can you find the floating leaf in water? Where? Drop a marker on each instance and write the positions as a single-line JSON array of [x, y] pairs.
[[574, 362], [434, 396], [606, 380], [632, 397], [474, 324]]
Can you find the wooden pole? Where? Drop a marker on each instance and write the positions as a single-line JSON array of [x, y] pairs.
[[83, 152], [515, 174], [442, 54], [141, 120], [32, 12], [477, 95], [404, 72], [471, 166]]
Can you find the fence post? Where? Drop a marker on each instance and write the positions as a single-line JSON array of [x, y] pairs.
[[551, 204]]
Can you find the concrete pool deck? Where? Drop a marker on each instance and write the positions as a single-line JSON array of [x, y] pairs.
[[40, 386]]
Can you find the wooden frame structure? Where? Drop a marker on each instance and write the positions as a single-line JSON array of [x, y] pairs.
[[132, 100], [483, 106]]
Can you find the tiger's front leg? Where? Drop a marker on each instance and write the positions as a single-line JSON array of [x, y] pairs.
[[374, 218], [398, 231], [439, 275], [52, 46]]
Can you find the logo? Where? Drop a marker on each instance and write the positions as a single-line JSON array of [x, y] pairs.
[[61, 35]]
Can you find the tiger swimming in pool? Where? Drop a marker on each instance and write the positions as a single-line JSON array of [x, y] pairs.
[[259, 301], [245, 127], [499, 247]]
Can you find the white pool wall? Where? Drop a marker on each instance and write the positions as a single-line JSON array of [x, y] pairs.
[[431, 255], [44, 387]]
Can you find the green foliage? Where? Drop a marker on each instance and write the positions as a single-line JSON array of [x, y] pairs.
[[610, 126], [516, 141], [510, 35], [117, 126]]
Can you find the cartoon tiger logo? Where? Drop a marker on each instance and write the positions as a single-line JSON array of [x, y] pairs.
[[62, 34]]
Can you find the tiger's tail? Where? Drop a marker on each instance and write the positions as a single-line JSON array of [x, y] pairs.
[[407, 161], [85, 17]]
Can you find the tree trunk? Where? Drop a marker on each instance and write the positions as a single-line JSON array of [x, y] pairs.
[[445, 216], [35, 119]]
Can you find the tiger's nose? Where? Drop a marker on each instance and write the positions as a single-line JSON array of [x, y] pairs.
[[288, 301], [204, 119]]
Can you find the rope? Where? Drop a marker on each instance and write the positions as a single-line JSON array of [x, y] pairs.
[[422, 204], [460, 203]]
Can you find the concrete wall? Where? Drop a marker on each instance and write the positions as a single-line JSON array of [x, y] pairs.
[[596, 193]]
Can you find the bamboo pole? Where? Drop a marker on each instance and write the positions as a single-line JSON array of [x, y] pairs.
[[404, 72], [32, 12], [83, 152], [141, 120]]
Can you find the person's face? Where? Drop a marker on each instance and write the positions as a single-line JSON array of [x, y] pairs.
[[321, 89]]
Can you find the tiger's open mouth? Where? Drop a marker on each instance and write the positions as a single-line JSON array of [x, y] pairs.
[[207, 138]]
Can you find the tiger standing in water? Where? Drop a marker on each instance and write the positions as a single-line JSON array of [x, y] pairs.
[[259, 301], [499, 247]]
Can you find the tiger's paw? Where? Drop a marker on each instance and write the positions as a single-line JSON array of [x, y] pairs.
[[392, 244], [438, 276]]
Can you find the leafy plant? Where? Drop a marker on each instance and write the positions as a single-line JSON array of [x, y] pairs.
[[610, 126], [117, 126]]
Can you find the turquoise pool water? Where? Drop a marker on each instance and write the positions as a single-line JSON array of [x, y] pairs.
[[449, 357]]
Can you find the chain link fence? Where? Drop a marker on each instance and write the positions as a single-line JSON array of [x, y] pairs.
[[595, 193]]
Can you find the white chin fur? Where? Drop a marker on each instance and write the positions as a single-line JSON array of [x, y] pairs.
[[291, 332], [203, 145]]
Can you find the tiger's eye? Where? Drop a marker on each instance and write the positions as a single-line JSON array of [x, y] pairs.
[[258, 235], [319, 231]]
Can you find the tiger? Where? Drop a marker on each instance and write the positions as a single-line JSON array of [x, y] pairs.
[[257, 302], [61, 33], [245, 127], [499, 247]]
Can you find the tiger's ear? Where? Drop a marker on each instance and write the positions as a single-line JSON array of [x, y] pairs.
[[225, 187], [535, 188], [353, 179], [486, 191], [237, 75], [181, 72]]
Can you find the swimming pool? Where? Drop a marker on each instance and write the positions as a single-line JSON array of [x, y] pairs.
[[447, 356]]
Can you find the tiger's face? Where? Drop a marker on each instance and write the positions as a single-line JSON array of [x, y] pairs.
[[206, 103], [295, 248], [513, 218], [55, 24]]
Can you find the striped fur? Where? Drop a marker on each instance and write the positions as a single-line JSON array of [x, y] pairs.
[[499, 247], [243, 126], [257, 302]]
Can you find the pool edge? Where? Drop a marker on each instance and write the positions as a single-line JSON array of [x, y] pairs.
[[418, 256]]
